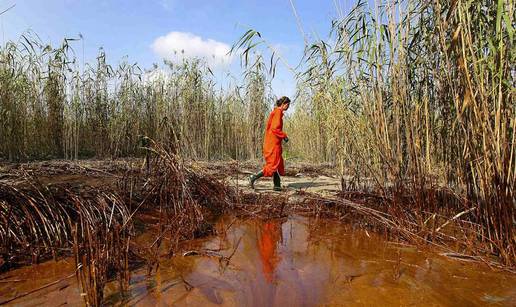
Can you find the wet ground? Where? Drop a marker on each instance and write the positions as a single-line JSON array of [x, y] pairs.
[[295, 261], [320, 179], [324, 185]]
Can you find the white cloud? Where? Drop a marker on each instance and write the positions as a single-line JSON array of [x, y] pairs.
[[175, 46], [167, 4]]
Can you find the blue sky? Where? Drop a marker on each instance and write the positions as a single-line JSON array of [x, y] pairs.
[[147, 31]]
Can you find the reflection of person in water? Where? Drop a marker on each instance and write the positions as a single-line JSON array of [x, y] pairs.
[[270, 234]]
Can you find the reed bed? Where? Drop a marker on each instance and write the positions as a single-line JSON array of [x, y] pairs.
[[418, 95], [417, 98], [53, 108]]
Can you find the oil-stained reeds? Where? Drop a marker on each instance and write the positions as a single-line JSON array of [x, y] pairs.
[[100, 251], [96, 224], [38, 222], [40, 219], [183, 195]]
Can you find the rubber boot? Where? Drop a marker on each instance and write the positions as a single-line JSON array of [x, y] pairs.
[[253, 178], [277, 181]]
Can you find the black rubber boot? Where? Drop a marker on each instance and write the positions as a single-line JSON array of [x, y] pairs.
[[253, 178], [277, 181]]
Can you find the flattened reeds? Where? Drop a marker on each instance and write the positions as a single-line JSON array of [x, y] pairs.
[[53, 221], [41, 218], [96, 225], [31, 221]]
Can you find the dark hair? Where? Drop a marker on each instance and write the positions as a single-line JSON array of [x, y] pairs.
[[283, 100]]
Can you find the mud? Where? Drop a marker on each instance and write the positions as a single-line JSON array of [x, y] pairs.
[[323, 185]]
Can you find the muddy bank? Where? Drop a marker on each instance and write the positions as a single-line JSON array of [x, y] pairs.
[[291, 261]]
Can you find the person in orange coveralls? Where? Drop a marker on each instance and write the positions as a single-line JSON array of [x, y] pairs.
[[272, 149], [270, 234]]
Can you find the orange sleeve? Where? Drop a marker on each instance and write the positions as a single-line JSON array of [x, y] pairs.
[[276, 125]]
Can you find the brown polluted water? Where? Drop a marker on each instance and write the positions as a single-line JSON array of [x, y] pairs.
[[295, 261]]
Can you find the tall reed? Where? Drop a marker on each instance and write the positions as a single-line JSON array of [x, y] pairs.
[[51, 108], [415, 94]]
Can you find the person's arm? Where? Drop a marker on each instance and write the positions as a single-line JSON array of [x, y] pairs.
[[276, 124]]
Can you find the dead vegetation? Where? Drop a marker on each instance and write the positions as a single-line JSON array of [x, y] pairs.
[[179, 201]]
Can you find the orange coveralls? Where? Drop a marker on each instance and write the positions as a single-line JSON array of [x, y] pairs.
[[269, 237], [272, 149]]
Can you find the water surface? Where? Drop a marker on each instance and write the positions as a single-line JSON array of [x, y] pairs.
[[291, 262]]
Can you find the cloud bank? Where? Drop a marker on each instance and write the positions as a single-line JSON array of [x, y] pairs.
[[176, 46]]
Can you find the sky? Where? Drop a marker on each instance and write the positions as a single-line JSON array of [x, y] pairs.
[[146, 32]]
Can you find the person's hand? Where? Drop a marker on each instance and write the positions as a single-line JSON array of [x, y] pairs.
[[286, 139]]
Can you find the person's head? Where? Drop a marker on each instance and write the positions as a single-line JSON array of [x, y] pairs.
[[283, 103]]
